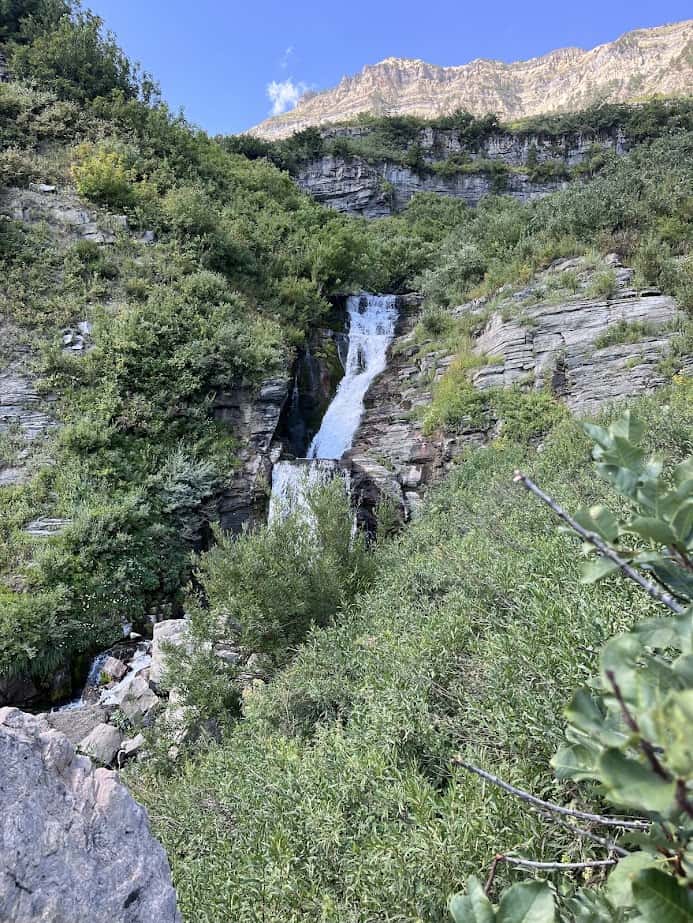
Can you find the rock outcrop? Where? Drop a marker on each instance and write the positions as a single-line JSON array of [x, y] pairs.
[[253, 416], [530, 340], [356, 187], [642, 63], [74, 845], [375, 188]]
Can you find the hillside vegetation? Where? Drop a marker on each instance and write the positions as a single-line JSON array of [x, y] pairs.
[[336, 797], [332, 791]]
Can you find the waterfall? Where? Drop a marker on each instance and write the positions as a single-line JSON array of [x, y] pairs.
[[371, 329], [292, 480], [372, 321], [91, 683]]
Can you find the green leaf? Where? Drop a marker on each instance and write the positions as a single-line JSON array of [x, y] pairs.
[[584, 713], [627, 427], [527, 902], [659, 898], [597, 569], [654, 529], [576, 761], [601, 520], [634, 785], [472, 907], [684, 473], [620, 657], [674, 578], [682, 523], [675, 631], [619, 887]]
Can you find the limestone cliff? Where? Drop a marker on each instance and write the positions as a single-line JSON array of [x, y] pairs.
[[645, 62], [500, 163]]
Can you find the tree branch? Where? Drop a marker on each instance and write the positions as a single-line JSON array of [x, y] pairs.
[[601, 840], [633, 726], [557, 866], [593, 539], [549, 805]]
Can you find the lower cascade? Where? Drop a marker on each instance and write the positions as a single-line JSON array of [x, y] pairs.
[[372, 320]]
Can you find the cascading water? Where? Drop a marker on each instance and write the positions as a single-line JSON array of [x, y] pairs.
[[371, 329], [372, 321]]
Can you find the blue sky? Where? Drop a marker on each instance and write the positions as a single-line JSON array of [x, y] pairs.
[[217, 59]]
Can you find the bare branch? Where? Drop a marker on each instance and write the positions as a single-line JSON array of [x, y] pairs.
[[557, 866], [651, 588], [549, 806], [492, 873], [581, 831]]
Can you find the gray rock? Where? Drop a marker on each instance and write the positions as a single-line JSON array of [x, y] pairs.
[[174, 633], [114, 668], [139, 701], [20, 404], [102, 743], [45, 526], [130, 748], [253, 417], [74, 845], [76, 722]]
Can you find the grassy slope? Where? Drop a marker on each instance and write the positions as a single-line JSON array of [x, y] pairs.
[[335, 800]]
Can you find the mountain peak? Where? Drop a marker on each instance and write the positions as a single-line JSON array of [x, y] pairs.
[[644, 62]]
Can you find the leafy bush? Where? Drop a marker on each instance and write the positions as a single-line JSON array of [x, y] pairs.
[[74, 58], [189, 212], [279, 580], [629, 730], [101, 175], [337, 796], [624, 332]]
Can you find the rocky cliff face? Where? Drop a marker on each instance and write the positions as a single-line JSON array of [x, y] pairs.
[[375, 189], [642, 63], [74, 845], [530, 340]]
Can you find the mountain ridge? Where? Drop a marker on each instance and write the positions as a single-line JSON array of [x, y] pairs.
[[641, 63]]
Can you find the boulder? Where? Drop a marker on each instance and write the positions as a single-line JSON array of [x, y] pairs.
[[102, 743], [139, 700], [74, 845], [174, 633], [114, 668], [76, 722], [130, 748]]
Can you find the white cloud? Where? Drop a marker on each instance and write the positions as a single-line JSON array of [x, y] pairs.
[[286, 57], [284, 94]]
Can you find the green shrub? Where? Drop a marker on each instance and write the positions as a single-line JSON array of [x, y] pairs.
[[274, 584], [602, 284], [629, 730], [625, 332], [101, 175], [189, 212], [75, 58], [17, 168]]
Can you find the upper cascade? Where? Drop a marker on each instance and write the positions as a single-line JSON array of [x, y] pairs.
[[639, 64], [372, 321]]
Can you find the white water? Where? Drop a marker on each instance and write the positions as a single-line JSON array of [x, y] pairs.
[[91, 682], [292, 481], [371, 329], [372, 321]]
